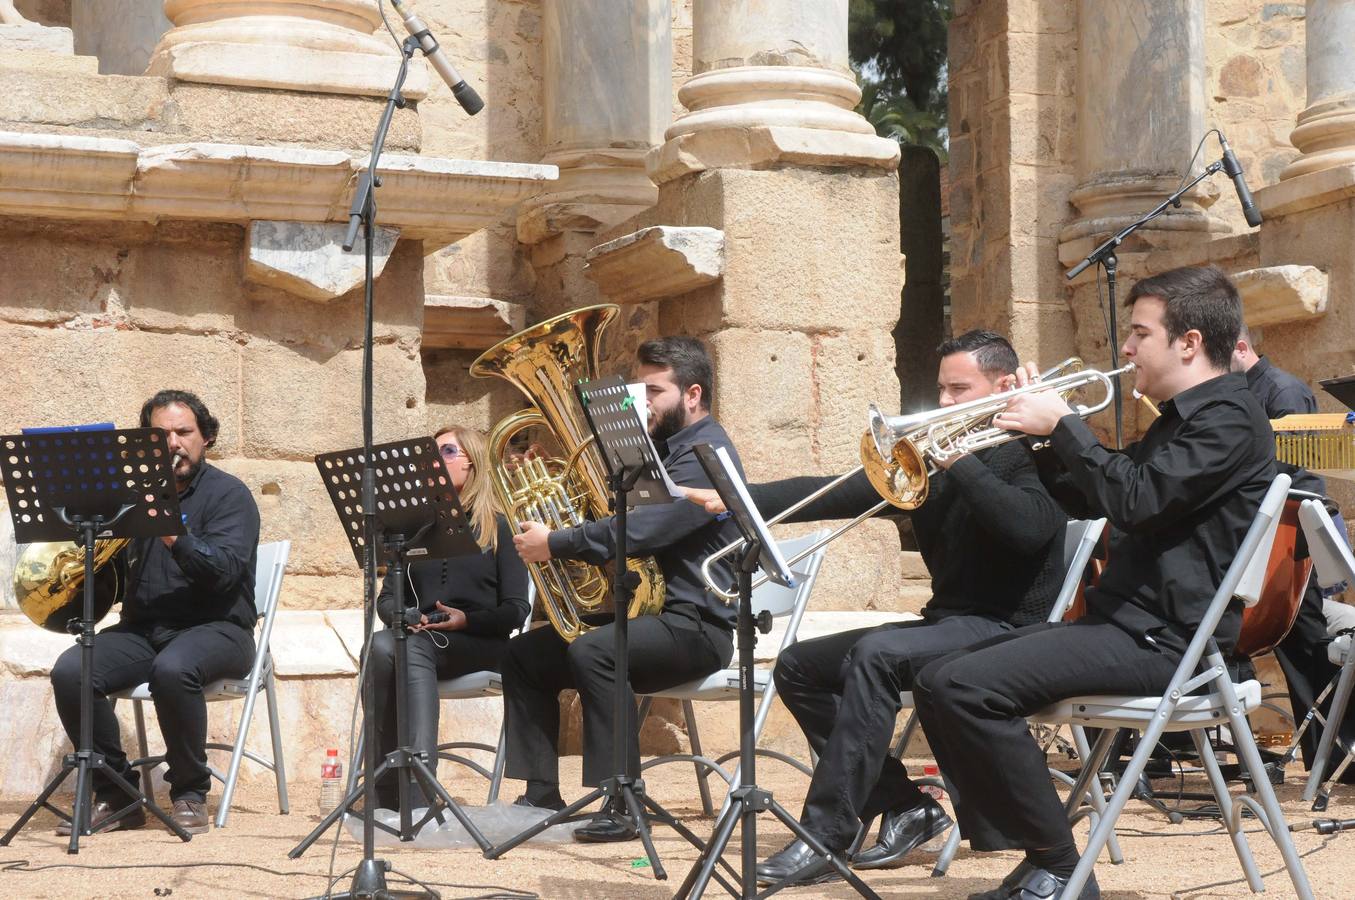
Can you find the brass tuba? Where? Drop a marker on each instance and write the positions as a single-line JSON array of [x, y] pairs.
[[545, 362], [49, 581]]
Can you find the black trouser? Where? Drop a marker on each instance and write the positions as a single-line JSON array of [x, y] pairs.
[[428, 662], [973, 705], [177, 663], [664, 651], [843, 690], [1302, 656]]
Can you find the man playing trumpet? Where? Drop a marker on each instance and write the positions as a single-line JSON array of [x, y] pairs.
[[991, 537], [1179, 501]]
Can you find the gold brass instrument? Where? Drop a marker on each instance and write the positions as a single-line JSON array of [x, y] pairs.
[[899, 453], [545, 362], [49, 581]]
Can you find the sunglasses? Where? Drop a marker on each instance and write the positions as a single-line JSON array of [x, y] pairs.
[[450, 451]]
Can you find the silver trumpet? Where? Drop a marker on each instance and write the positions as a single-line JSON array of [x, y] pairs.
[[899, 453]]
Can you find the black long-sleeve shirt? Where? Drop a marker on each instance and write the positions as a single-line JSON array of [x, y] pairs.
[[679, 535], [1179, 502], [990, 534], [208, 575], [490, 587], [1281, 394]]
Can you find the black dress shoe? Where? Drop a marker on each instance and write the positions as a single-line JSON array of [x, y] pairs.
[[901, 831], [795, 863], [553, 804], [609, 826], [100, 819], [1038, 884]]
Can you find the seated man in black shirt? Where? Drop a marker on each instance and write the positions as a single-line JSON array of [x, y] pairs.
[[188, 620], [1179, 502], [991, 537], [689, 639]]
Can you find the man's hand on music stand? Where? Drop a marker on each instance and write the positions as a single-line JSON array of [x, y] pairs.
[[533, 544]]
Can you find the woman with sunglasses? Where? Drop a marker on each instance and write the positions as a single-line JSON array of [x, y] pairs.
[[483, 598]]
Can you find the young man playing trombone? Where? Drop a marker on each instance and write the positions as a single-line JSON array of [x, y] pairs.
[[1179, 502], [991, 537]]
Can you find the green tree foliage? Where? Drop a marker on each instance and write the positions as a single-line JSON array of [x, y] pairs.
[[898, 48]]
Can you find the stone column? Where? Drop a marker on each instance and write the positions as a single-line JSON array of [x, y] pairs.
[[1141, 113], [121, 33], [1326, 128], [607, 98], [771, 84], [309, 45]]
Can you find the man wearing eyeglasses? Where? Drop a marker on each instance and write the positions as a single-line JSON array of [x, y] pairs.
[[689, 639]]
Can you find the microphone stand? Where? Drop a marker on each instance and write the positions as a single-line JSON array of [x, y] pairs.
[[1104, 256], [369, 880]]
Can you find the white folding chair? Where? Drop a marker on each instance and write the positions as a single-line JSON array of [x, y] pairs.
[[268, 571], [1080, 538], [1179, 709], [472, 686], [1334, 564], [778, 602]]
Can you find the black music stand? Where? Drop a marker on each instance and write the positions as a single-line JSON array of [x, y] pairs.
[[634, 475], [419, 516], [749, 799], [97, 484]]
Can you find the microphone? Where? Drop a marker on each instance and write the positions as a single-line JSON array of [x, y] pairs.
[[1234, 171], [464, 93]]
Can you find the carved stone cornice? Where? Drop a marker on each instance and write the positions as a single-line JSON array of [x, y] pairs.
[[431, 199]]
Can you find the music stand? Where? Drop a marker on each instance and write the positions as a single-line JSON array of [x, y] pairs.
[[98, 484], [1342, 389], [635, 475], [418, 515], [749, 799]]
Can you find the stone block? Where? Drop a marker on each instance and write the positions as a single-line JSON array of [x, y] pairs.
[[453, 397], [47, 97], [341, 591], [308, 259], [294, 505], [771, 219], [187, 286], [26, 650], [656, 262], [469, 323], [49, 280], [104, 375], [298, 401], [758, 147], [33, 738], [1277, 294], [852, 370], [32, 37], [765, 388], [304, 644]]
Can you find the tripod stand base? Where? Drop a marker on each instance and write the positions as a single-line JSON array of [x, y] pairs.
[[369, 883]]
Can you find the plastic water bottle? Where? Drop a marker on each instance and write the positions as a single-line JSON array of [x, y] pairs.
[[937, 793], [331, 782]]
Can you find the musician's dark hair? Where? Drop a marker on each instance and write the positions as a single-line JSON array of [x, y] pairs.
[[207, 423], [1200, 298], [686, 356], [992, 351]]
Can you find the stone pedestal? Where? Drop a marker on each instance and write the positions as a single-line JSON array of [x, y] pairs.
[[772, 84], [1326, 128], [307, 45], [1141, 113], [607, 98]]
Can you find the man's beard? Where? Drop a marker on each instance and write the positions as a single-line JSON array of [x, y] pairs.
[[668, 424], [193, 466]]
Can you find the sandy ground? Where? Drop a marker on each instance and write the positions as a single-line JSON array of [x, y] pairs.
[[249, 857]]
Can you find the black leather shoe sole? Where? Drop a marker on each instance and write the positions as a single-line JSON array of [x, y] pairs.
[[615, 832], [868, 859]]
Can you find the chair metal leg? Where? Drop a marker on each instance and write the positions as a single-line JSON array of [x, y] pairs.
[[1245, 748], [279, 768], [1095, 796], [496, 780], [1332, 725], [901, 745], [1232, 820], [695, 737], [237, 754], [143, 750], [947, 852]]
